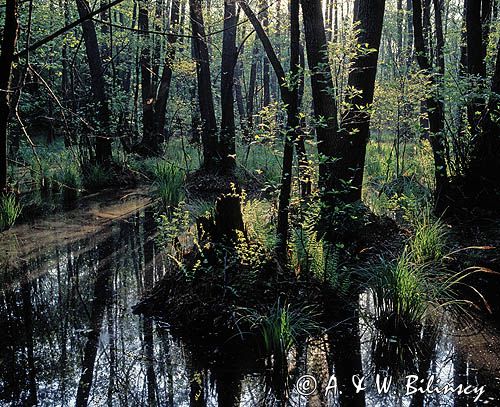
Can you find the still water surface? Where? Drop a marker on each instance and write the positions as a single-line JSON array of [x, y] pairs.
[[68, 337]]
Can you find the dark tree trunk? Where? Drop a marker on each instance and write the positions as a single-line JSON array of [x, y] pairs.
[[482, 182], [98, 85], [9, 39], [435, 109], [265, 60], [325, 107], [166, 77], [205, 97], [476, 63], [290, 98], [251, 91], [350, 145], [229, 59], [149, 139]]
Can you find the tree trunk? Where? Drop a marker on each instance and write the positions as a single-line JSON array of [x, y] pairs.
[[205, 97], [482, 183], [435, 109], [350, 145], [265, 61], [229, 59], [166, 77], [9, 39], [291, 132], [325, 108], [149, 140], [98, 85], [251, 91]]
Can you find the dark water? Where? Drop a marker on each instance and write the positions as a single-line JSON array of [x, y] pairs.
[[68, 337]]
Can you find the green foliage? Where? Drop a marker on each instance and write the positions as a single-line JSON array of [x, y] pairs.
[[168, 183], [10, 209], [258, 219]]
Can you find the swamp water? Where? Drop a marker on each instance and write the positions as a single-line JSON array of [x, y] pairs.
[[68, 337]]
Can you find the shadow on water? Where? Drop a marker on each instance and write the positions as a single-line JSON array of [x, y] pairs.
[[69, 338]]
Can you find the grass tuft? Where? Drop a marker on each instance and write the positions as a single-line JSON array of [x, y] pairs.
[[10, 210]]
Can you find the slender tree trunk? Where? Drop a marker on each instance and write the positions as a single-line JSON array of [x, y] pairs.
[[229, 59], [205, 97], [265, 61], [166, 77], [98, 85], [9, 39], [149, 140], [291, 132], [435, 110], [251, 91]]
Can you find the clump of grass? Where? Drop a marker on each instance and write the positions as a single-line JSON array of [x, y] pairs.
[[69, 180], [10, 210], [401, 295], [169, 180], [429, 241], [280, 328], [96, 177]]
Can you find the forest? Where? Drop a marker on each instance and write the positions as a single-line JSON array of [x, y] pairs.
[[249, 203]]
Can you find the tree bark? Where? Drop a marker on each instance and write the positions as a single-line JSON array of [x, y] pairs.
[[325, 107], [149, 141], [350, 145], [166, 77], [205, 97], [9, 39], [228, 64], [435, 110], [291, 132], [98, 84]]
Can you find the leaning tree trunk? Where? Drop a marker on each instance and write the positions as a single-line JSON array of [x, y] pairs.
[[98, 84], [229, 59], [350, 145], [290, 98], [205, 97], [6, 58]]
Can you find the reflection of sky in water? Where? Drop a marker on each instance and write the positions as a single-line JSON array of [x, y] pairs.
[[46, 324]]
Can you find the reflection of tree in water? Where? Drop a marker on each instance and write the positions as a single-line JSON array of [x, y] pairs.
[[86, 345], [69, 337]]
